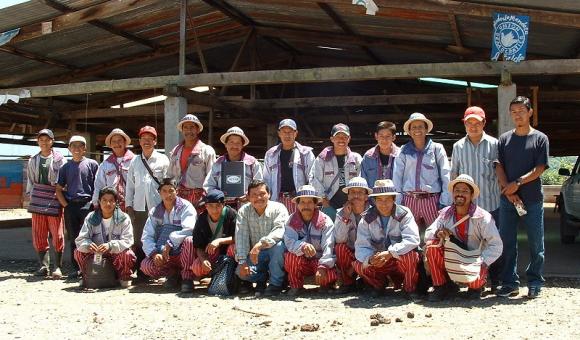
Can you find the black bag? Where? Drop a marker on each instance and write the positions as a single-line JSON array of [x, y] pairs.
[[224, 280], [100, 275]]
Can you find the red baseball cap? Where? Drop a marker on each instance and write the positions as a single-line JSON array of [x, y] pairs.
[[148, 129], [474, 112]]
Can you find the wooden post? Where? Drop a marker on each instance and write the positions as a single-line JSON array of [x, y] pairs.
[[506, 92], [535, 90], [175, 109], [182, 23]]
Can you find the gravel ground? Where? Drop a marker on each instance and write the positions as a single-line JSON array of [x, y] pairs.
[[41, 309]]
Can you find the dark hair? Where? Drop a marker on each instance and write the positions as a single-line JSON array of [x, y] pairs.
[[522, 100], [257, 183], [387, 125], [108, 191], [167, 181], [316, 200]]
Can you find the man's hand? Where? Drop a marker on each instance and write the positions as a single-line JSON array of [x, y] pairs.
[[243, 199], [244, 270], [510, 189], [158, 260], [93, 248], [380, 259], [320, 276], [206, 266], [211, 248], [514, 199], [166, 250], [443, 233], [347, 209], [103, 248], [325, 202], [255, 252], [308, 250]]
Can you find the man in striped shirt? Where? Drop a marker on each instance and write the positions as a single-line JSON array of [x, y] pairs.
[[476, 155]]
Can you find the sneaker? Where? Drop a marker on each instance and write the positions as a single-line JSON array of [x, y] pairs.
[[346, 289], [125, 283], [75, 275], [294, 292], [326, 290], [272, 290], [171, 282], [42, 271], [494, 286], [534, 292], [439, 293], [260, 288], [187, 286], [507, 291], [57, 274], [413, 296], [473, 294]]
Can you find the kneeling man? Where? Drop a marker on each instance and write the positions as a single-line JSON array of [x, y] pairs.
[[471, 227], [309, 238], [386, 242]]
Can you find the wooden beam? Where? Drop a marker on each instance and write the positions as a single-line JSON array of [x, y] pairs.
[[314, 75], [137, 111], [36, 57]]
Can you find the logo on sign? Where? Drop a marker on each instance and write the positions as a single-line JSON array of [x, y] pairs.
[[233, 179], [510, 36]]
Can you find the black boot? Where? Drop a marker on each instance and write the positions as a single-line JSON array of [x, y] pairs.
[[44, 261], [57, 272]]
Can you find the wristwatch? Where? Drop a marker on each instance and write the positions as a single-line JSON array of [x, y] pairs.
[[519, 181]]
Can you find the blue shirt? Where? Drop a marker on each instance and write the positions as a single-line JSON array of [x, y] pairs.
[[78, 178]]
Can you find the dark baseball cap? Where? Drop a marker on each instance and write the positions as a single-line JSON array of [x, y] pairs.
[[214, 196], [340, 128], [46, 132]]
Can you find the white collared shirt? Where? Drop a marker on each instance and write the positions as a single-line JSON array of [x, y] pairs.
[[142, 192]]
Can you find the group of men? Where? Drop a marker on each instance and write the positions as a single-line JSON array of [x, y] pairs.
[[379, 219]]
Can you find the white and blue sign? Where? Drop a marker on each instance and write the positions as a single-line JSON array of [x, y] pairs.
[[510, 36]]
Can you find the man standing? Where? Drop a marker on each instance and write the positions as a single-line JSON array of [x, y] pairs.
[[333, 168], [145, 174], [169, 223], [287, 165], [113, 171], [472, 227], [76, 180], [309, 238], [422, 172], [259, 232], [191, 160], [386, 242], [523, 157], [107, 231], [345, 229], [378, 162], [42, 174], [476, 155]]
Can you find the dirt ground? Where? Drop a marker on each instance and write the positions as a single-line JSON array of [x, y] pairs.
[[42, 309]]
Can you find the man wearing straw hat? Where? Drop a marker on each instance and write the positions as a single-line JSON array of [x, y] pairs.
[[113, 171], [309, 238], [386, 242], [421, 171], [345, 229], [234, 140], [287, 165], [471, 227], [191, 160]]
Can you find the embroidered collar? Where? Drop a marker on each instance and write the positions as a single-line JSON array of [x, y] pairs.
[[374, 151], [328, 153], [247, 159], [297, 223], [411, 150], [97, 217], [474, 212], [159, 211], [398, 213], [127, 157]]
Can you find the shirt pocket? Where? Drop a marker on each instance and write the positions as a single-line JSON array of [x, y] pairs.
[[488, 169]]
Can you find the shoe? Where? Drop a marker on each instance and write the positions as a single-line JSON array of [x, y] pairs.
[[57, 274], [245, 288], [494, 286], [452, 287], [187, 286], [44, 261], [42, 271], [346, 289], [438, 294], [260, 288], [534, 292], [272, 290], [377, 292], [125, 283], [171, 282], [294, 292], [75, 275], [473, 294], [413, 296], [326, 290], [507, 291]]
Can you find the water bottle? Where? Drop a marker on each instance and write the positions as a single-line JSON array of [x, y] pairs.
[[520, 209]]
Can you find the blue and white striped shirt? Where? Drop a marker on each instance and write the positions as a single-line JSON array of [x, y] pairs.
[[478, 161]]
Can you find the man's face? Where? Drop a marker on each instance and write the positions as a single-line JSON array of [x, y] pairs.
[[418, 130], [147, 141], [520, 114], [107, 203], [384, 204], [189, 130], [340, 140], [44, 142], [357, 196], [306, 206], [234, 145], [287, 135], [462, 195], [474, 127], [384, 138], [118, 144], [259, 197], [214, 210], [168, 194], [77, 149]]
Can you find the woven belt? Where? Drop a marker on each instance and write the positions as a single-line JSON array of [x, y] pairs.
[[420, 194]]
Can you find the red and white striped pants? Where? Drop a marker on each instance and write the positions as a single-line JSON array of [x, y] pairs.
[[179, 263], [123, 262], [193, 196], [405, 265], [41, 226], [344, 263], [423, 208], [298, 267], [436, 259], [287, 201], [187, 249]]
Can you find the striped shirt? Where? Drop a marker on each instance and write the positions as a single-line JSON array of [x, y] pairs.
[[478, 161]]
